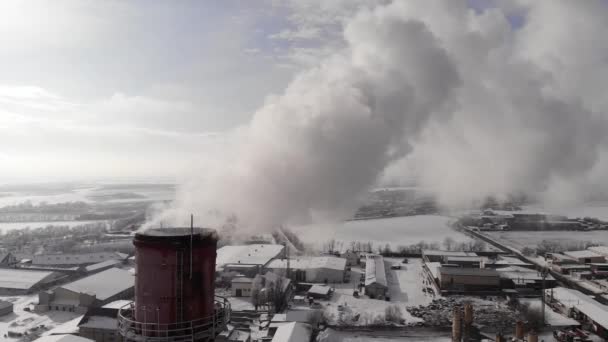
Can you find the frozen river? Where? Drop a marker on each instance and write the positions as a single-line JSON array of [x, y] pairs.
[[396, 231]]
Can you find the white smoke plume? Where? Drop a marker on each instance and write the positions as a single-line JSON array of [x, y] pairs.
[[468, 102]]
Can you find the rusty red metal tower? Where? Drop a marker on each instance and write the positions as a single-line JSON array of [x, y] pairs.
[[174, 287]]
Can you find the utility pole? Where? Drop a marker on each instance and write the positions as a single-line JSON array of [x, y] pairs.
[[544, 272]]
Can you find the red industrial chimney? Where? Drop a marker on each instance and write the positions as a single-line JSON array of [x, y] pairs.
[[174, 287]]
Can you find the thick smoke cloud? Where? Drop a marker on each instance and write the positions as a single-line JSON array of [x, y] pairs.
[[466, 102]]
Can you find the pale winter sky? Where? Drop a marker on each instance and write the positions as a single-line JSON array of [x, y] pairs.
[[95, 89], [316, 97]]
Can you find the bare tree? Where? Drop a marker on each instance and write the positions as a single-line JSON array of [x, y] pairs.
[[448, 243]]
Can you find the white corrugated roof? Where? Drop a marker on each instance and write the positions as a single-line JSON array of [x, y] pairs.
[[21, 279], [585, 304], [292, 332], [304, 263], [103, 284], [603, 250], [258, 254], [62, 338], [582, 254], [374, 270]]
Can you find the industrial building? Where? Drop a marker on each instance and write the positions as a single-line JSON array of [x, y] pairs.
[[466, 261], [100, 325], [241, 286], [63, 338], [468, 279], [247, 259], [292, 332], [580, 307], [325, 269], [602, 250], [586, 256], [175, 288], [376, 285], [68, 260], [442, 256], [524, 278], [352, 258], [19, 281], [92, 291], [5, 307]]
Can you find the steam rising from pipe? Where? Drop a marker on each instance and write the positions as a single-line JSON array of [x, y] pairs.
[[468, 103]]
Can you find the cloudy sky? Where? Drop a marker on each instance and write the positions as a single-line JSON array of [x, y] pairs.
[[95, 89], [323, 99]]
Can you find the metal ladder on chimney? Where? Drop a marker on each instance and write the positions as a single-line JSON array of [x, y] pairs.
[[179, 284]]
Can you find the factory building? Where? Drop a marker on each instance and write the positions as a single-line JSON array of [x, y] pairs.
[[515, 277], [5, 307], [100, 325], [466, 261], [68, 260], [468, 279], [325, 269], [92, 291], [586, 256], [19, 281], [376, 285], [175, 288], [241, 286], [580, 307], [602, 250], [247, 259], [442, 256]]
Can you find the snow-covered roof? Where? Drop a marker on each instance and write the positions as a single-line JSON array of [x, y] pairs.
[[447, 253], [258, 254], [466, 258], [304, 263], [434, 268], [521, 274], [476, 272], [582, 254], [117, 304], [585, 304], [103, 264], [76, 259], [603, 250], [62, 338], [320, 290], [103, 284], [11, 278], [100, 322], [507, 260], [243, 280], [374, 270], [292, 332]]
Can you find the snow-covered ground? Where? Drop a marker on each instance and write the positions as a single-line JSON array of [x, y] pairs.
[[415, 334], [395, 231], [406, 285], [23, 321], [521, 239]]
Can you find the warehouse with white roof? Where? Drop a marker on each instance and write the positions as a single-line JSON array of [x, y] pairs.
[[17, 281], [325, 269], [376, 285], [92, 291], [246, 259]]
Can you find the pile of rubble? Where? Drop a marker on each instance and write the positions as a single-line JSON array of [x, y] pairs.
[[490, 314]]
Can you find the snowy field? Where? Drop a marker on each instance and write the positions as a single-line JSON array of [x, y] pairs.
[[521, 239], [396, 231]]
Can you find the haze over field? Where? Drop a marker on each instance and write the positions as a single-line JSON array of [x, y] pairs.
[[289, 112]]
